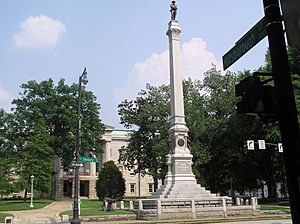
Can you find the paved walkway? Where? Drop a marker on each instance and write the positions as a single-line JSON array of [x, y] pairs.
[[48, 214]]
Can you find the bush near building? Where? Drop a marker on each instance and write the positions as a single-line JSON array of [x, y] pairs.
[[110, 182]]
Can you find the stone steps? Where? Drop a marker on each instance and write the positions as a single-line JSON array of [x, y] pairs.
[[189, 191]]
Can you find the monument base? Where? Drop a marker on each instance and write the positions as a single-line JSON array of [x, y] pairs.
[[181, 182]]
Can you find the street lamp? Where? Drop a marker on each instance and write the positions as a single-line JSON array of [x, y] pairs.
[[76, 220], [31, 196]]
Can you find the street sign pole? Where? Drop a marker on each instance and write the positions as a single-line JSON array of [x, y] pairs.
[[288, 120]]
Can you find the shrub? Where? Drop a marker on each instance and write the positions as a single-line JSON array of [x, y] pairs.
[[110, 182]]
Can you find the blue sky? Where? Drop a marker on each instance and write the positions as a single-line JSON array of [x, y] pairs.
[[123, 44]]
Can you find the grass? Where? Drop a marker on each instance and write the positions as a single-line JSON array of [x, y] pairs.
[[95, 208], [3, 215], [273, 207], [281, 204], [17, 205]]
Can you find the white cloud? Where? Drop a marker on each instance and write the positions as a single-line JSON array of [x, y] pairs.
[[5, 99], [39, 32], [153, 70], [195, 60]]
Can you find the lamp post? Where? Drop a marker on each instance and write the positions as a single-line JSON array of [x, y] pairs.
[[76, 220], [31, 196]]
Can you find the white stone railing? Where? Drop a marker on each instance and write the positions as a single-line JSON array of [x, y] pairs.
[[150, 209]]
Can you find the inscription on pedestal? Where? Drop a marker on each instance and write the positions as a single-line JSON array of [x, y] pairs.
[[183, 168]]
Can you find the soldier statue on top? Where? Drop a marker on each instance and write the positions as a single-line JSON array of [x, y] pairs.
[[173, 10]]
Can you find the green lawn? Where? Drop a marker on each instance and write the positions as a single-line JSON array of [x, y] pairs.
[[95, 208], [3, 215], [273, 207], [17, 205]]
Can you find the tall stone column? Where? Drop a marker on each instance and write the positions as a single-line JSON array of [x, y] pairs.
[[177, 106], [180, 181], [181, 157]]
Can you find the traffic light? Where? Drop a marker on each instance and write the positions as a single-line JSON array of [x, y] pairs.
[[256, 98], [250, 89], [271, 104]]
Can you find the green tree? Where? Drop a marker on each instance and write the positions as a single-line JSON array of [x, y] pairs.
[[147, 147], [43, 125], [37, 159], [110, 182], [6, 161], [225, 134], [57, 106]]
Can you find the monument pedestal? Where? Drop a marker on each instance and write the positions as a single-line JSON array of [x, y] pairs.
[[180, 181]]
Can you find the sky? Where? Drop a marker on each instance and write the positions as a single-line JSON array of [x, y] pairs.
[[123, 44]]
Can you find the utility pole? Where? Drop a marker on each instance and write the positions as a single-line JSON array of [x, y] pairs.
[[288, 120]]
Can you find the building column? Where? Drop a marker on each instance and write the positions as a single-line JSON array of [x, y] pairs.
[[92, 190], [107, 151], [92, 169]]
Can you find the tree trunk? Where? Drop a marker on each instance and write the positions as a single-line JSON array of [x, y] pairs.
[[25, 195], [271, 184]]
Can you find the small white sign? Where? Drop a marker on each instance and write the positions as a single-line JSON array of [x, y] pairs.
[[250, 144], [280, 148], [261, 144]]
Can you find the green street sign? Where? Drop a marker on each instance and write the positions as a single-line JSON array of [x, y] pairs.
[[245, 43], [88, 159]]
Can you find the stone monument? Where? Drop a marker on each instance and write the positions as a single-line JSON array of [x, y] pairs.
[[180, 181], [180, 196]]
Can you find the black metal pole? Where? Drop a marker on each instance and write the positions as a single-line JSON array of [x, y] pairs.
[[75, 219], [288, 120]]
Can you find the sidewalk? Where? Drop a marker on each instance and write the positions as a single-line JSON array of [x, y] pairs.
[[48, 214]]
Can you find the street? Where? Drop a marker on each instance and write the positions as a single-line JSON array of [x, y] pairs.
[[286, 221]]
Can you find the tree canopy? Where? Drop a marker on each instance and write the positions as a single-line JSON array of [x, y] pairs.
[[43, 125]]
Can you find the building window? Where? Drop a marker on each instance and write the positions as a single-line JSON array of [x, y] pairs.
[[151, 188], [132, 188]]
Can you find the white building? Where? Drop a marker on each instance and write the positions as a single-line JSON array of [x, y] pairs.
[[112, 140]]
